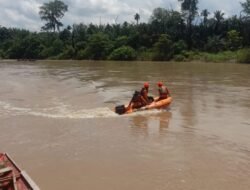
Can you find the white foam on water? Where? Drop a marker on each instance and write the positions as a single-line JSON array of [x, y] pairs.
[[8, 108], [145, 112], [81, 114], [61, 111]]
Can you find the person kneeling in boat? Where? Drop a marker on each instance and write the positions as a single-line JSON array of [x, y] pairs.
[[140, 99], [163, 91]]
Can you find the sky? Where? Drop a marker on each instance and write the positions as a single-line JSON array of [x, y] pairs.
[[25, 13]]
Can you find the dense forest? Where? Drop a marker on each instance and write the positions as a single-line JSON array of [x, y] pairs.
[[168, 35]]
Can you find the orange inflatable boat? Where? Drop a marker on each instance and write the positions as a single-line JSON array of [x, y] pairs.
[[122, 109]]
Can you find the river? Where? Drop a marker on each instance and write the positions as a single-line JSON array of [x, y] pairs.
[[56, 121]]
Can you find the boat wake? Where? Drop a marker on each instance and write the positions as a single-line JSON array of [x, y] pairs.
[[61, 111], [146, 112], [65, 111]]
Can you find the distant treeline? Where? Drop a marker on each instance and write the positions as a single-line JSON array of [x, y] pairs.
[[167, 35]]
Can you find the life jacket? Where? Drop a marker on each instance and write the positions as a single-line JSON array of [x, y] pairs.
[[137, 103], [163, 92], [143, 91], [136, 96]]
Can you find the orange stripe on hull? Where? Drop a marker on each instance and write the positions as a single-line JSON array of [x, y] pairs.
[[154, 105], [160, 104]]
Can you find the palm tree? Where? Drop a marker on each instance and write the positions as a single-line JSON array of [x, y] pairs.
[[137, 18], [189, 8], [219, 17], [205, 14]]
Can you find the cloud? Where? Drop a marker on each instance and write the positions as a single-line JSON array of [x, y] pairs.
[[227, 6], [22, 14], [25, 13]]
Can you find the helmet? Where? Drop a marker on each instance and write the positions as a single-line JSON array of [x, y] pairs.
[[146, 85], [159, 84]]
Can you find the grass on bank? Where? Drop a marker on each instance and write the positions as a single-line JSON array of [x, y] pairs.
[[243, 56], [240, 56], [126, 53]]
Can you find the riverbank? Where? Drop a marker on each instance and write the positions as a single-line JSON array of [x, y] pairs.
[[240, 56]]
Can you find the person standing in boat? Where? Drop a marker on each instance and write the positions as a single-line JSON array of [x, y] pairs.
[[163, 91], [144, 94]]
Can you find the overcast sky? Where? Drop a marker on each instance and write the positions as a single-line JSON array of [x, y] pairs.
[[24, 13]]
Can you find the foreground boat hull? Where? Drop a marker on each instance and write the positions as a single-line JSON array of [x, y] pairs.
[[12, 177]]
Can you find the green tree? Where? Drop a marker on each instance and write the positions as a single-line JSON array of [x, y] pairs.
[[4, 34], [53, 50], [219, 18], [179, 47], [137, 18], [124, 53], [52, 12], [215, 44], [65, 35], [134, 40], [189, 9], [121, 41], [234, 40], [163, 49], [246, 7], [98, 47], [205, 14], [245, 22], [158, 21], [243, 56], [165, 21], [26, 48]]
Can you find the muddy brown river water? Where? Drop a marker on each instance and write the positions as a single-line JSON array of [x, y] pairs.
[[56, 121]]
